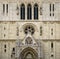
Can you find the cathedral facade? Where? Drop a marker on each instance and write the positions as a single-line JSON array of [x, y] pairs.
[[29, 29]]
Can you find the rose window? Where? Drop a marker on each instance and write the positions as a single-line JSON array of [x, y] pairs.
[[29, 29]]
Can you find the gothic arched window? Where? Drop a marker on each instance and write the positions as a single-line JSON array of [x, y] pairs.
[[22, 12], [36, 11], [29, 11]]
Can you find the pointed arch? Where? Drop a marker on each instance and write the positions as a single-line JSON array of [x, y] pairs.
[[29, 11], [30, 51], [22, 11], [35, 11]]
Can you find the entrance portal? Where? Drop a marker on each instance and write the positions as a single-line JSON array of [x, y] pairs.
[[28, 53]]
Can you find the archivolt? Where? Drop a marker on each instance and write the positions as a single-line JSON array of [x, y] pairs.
[[28, 50]]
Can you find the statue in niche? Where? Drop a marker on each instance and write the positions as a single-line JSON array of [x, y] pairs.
[[28, 40]]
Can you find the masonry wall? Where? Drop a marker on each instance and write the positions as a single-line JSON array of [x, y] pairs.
[[8, 36]]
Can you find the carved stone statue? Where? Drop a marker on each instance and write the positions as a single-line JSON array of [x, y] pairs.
[[28, 40]]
